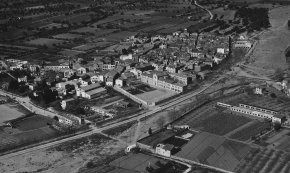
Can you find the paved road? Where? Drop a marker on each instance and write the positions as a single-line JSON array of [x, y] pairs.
[[99, 130], [209, 12]]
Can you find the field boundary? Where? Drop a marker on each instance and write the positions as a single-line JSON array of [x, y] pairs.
[[43, 142]]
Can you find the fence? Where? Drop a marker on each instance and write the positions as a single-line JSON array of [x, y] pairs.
[[133, 97]]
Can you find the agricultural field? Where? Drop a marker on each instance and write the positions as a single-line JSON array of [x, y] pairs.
[[85, 30], [215, 151], [139, 162], [120, 36], [69, 53], [45, 42], [224, 14], [78, 155], [251, 131], [214, 121], [10, 111], [265, 160], [27, 130], [278, 140], [67, 36], [76, 18], [12, 50]]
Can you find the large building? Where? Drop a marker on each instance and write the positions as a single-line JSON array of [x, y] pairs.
[[256, 112], [162, 80], [90, 91]]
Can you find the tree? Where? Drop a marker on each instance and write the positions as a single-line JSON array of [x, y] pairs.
[[273, 95], [277, 126], [150, 131], [161, 122], [279, 74]]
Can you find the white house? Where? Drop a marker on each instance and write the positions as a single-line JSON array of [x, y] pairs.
[[120, 82], [126, 57], [164, 150], [22, 79], [64, 103]]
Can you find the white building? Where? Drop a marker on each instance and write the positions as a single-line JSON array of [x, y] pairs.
[[164, 150], [126, 57], [243, 44], [256, 112], [90, 91]]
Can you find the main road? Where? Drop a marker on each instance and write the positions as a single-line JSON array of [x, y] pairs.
[[99, 130]]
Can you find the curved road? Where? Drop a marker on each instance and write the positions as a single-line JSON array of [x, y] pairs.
[[209, 12], [99, 130]]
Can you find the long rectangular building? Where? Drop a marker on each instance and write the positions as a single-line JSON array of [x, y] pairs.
[[255, 111], [162, 80]]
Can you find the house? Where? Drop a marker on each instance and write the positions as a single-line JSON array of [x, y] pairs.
[[110, 81], [64, 103], [103, 112], [32, 86], [258, 90], [67, 72], [90, 91], [34, 68], [81, 70], [94, 77], [120, 82], [56, 66], [111, 76], [85, 80], [244, 44], [185, 79], [173, 68], [15, 66], [22, 79], [164, 150], [126, 57], [137, 71]]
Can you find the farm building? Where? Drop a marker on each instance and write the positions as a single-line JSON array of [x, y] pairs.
[[164, 150], [256, 112]]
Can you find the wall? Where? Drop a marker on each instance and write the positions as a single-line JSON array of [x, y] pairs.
[[133, 97]]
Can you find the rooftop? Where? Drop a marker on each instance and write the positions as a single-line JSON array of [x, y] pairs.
[[91, 87], [96, 91]]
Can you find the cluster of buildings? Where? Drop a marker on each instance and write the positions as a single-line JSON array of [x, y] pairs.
[[164, 61]]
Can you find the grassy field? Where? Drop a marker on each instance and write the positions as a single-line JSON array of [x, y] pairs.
[[66, 36], [139, 162], [220, 123], [45, 41], [34, 122], [11, 111], [265, 161], [252, 130], [29, 130]]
